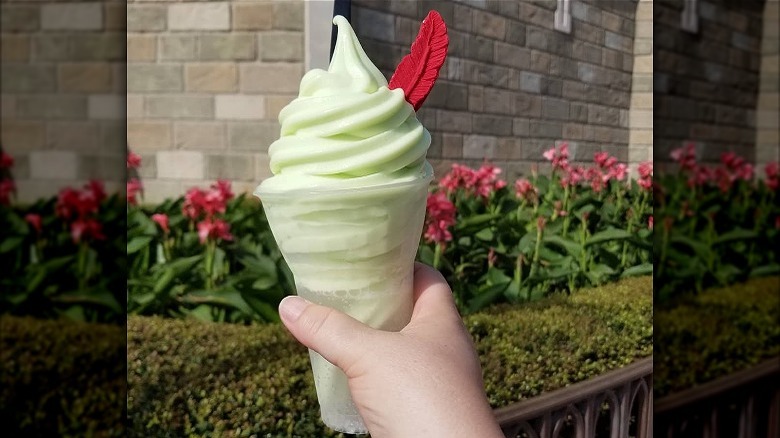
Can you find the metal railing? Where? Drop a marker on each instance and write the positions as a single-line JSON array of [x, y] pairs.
[[617, 404], [745, 404]]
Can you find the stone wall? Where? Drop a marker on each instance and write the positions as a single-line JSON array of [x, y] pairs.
[[640, 119], [706, 83], [205, 83], [63, 86], [512, 86], [768, 106]]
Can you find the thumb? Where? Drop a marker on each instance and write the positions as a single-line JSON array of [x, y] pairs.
[[339, 338]]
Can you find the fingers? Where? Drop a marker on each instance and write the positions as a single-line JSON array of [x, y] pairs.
[[432, 294], [337, 337]]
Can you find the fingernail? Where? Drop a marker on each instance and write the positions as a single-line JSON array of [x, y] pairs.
[[291, 307]]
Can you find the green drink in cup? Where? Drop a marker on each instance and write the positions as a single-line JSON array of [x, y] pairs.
[[346, 203]]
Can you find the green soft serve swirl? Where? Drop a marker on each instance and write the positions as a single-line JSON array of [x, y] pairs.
[[346, 129]]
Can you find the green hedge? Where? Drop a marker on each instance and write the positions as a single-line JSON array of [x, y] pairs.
[[191, 378], [715, 333], [62, 378]]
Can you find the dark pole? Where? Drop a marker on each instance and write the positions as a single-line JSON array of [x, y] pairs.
[[344, 8]]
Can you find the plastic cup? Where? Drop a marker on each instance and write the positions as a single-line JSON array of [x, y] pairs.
[[352, 250]]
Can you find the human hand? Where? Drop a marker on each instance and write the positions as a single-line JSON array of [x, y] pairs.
[[422, 381]]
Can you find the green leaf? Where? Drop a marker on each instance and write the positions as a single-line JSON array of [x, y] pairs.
[[100, 297], [485, 235], [162, 283], [475, 221], [137, 243], [202, 312], [766, 270], [487, 295], [572, 248], [10, 244], [635, 271], [698, 248], [738, 234], [610, 235], [263, 309], [226, 298], [263, 268]]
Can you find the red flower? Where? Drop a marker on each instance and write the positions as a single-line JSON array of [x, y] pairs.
[[6, 161], [650, 222], [162, 220], [199, 202], [481, 182], [133, 160], [7, 188], [459, 176], [685, 156], [772, 171], [72, 203], [35, 221], [440, 216], [86, 229], [212, 229], [559, 157], [618, 171], [134, 187], [487, 180], [645, 171], [600, 158]]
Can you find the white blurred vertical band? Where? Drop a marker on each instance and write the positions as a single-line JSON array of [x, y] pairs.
[[317, 28]]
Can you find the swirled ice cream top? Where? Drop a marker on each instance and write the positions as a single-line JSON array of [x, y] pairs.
[[346, 128]]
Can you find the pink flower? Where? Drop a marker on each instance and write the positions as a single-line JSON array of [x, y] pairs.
[[6, 161], [134, 187], [645, 171], [209, 202], [549, 154], [650, 222], [487, 180], [133, 160], [492, 258], [213, 229], [7, 188], [685, 156], [600, 158], [161, 220], [525, 190], [86, 229], [482, 182], [745, 172], [459, 177], [440, 215], [557, 209], [35, 221], [559, 157], [618, 171], [78, 204]]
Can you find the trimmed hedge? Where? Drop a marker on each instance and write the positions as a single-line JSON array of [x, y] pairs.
[[62, 378], [715, 333], [197, 379], [190, 378]]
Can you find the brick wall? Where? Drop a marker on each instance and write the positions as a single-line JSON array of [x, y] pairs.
[[63, 93], [706, 83], [205, 83], [512, 86], [768, 106]]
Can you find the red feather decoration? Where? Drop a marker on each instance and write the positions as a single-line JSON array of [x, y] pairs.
[[417, 71]]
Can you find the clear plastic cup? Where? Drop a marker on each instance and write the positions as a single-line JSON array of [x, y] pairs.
[[352, 250]]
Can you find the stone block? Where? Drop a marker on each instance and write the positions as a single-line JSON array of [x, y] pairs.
[[178, 47], [585, 12], [540, 62], [49, 165], [52, 107], [252, 16], [154, 78], [479, 146], [578, 111], [157, 191], [254, 136], [288, 15], [211, 77], [14, 48], [22, 135], [551, 130], [281, 46], [199, 135], [511, 55], [573, 131], [462, 17], [262, 167], [182, 107], [452, 145], [98, 47], [233, 46], [180, 165], [453, 121], [199, 16], [530, 13], [530, 82], [72, 16], [148, 136], [528, 105], [141, 48], [135, 106], [113, 136], [239, 107], [498, 101], [587, 52], [146, 18], [480, 49], [19, 18], [73, 136], [553, 108], [618, 42], [231, 167], [521, 126], [274, 104], [27, 78], [603, 115], [106, 107], [273, 78], [375, 24], [114, 16], [7, 107], [641, 119], [643, 29], [538, 38], [515, 33], [85, 77], [476, 98], [489, 25], [492, 125], [589, 33]]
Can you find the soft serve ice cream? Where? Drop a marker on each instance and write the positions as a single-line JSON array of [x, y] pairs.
[[347, 201]]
